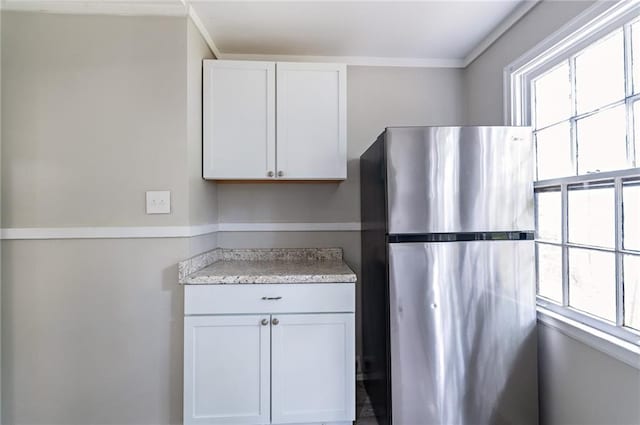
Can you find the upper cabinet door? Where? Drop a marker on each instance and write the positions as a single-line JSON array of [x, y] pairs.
[[312, 368], [311, 121], [239, 120]]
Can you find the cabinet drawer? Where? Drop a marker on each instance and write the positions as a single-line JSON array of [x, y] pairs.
[[269, 298]]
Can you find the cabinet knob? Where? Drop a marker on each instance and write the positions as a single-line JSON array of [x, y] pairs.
[[270, 174], [264, 322], [275, 321], [280, 173]]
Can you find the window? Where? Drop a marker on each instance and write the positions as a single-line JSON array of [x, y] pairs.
[[581, 96]]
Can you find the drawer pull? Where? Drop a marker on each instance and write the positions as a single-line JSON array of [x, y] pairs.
[[271, 298]]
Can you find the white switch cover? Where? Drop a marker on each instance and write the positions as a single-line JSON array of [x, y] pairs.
[[158, 202]]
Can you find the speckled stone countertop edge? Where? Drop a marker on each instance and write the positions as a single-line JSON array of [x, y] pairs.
[[276, 280], [196, 263]]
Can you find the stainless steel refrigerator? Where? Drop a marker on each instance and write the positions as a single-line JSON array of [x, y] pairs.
[[448, 276]]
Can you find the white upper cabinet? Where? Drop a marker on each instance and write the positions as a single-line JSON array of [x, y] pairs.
[[246, 101], [311, 120], [239, 120]]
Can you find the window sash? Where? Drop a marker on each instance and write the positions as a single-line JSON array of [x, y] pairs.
[[617, 179], [628, 100], [564, 44]]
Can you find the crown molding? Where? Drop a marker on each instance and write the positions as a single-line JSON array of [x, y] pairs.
[[498, 31], [97, 7], [353, 60], [203, 31]]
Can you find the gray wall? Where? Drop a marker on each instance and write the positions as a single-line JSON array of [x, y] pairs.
[[583, 386], [92, 331], [94, 113], [483, 80], [578, 384], [99, 110]]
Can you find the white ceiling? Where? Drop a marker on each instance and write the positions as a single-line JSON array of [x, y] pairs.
[[445, 32], [448, 33]]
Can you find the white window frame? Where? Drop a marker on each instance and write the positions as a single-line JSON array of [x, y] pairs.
[[587, 28]]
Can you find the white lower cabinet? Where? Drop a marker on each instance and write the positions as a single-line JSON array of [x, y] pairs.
[[269, 368], [312, 368], [226, 370]]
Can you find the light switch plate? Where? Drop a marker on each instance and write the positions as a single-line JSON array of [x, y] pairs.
[[158, 202]]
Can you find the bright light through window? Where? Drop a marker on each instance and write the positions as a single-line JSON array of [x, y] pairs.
[[602, 141], [635, 42], [553, 96], [550, 271], [548, 220], [600, 74], [631, 211], [592, 287], [553, 148], [632, 291], [591, 217]]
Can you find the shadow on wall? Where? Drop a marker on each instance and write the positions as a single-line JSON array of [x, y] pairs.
[[525, 389], [292, 202]]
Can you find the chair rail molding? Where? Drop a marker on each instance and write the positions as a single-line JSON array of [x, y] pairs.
[[142, 232]]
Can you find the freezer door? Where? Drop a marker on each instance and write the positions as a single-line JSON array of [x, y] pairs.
[[463, 333], [459, 179]]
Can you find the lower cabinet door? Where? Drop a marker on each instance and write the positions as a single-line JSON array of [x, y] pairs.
[[226, 369], [313, 368]]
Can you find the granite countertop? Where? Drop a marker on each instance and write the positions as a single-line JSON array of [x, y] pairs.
[[281, 265]]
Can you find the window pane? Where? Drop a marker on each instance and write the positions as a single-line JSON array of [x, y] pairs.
[[635, 44], [548, 220], [631, 210], [550, 271], [632, 291], [553, 149], [602, 141], [600, 73], [552, 96], [592, 216], [592, 285]]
